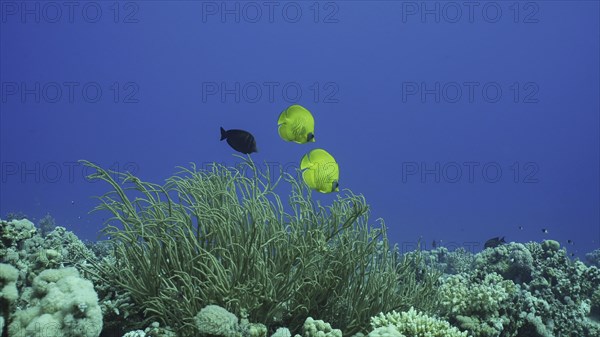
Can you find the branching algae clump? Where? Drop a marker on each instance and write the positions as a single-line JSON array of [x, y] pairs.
[[223, 237]]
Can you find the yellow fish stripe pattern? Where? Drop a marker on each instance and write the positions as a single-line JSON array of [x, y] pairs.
[[320, 171], [296, 124]]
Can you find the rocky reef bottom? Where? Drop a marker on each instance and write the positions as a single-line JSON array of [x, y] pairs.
[[50, 286]]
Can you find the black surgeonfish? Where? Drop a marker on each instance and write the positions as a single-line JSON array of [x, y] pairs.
[[494, 242], [240, 140]]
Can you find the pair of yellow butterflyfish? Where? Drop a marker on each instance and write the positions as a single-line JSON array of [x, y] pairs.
[[319, 169]]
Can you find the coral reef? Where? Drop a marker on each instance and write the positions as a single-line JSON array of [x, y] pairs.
[[483, 304], [226, 259], [512, 290], [60, 303], [527, 289], [282, 332], [30, 254], [448, 262], [318, 328], [412, 324], [10, 216], [8, 292], [513, 261], [13, 233], [217, 321], [561, 290], [593, 258], [46, 225], [154, 330]]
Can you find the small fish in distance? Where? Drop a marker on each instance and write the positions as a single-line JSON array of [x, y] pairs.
[[494, 242]]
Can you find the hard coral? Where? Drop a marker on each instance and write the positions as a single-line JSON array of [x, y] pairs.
[[14, 232], [593, 258], [485, 305], [318, 328], [8, 291], [449, 262], [552, 294], [216, 321], [513, 261], [62, 302], [414, 324], [562, 290]]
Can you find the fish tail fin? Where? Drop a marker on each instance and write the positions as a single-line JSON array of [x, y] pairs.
[[223, 133]]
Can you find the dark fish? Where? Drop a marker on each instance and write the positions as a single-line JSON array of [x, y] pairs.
[[544, 230], [494, 242], [570, 242], [434, 244], [521, 227], [240, 140]]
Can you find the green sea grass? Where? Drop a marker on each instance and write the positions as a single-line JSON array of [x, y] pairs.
[[223, 236]]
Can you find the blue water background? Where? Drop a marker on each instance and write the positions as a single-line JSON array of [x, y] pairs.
[[173, 72]]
